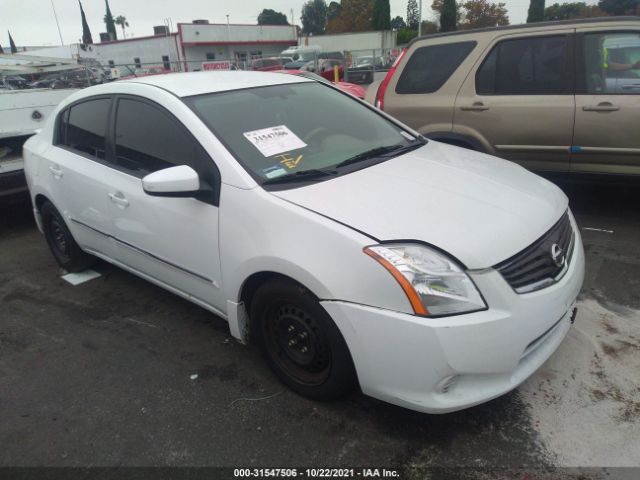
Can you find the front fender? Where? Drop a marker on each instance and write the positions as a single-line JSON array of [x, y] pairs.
[[260, 232]]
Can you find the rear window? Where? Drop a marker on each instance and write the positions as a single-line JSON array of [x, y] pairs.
[[526, 66], [430, 67], [83, 127]]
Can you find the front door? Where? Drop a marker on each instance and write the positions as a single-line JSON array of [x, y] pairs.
[[170, 240], [520, 100], [607, 132]]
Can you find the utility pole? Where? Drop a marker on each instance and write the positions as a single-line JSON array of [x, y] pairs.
[[57, 24], [420, 18]]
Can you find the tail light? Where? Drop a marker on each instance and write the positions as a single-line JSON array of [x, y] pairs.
[[385, 83]]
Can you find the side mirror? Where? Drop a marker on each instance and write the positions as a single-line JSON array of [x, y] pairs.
[[180, 181]]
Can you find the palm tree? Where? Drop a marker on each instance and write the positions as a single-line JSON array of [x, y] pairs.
[[122, 21]]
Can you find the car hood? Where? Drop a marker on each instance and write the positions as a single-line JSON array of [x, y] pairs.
[[478, 208]]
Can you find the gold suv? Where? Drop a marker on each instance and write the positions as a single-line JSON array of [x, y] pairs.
[[557, 96]]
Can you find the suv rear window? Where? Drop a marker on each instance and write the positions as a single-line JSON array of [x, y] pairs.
[[430, 67], [526, 66]]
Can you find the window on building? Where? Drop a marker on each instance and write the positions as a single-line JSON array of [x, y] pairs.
[[526, 66], [210, 56], [430, 67], [83, 127], [112, 64], [137, 62], [166, 64]]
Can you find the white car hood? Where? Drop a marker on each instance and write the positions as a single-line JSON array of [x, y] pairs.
[[478, 208]]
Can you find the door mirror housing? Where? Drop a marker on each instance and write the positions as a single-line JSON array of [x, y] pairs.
[[180, 181]]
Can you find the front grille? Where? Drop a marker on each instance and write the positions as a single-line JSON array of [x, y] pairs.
[[534, 267]]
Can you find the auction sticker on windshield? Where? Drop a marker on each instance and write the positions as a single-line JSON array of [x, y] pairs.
[[273, 140]]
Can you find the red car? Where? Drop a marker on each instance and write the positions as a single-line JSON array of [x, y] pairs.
[[266, 64], [350, 88]]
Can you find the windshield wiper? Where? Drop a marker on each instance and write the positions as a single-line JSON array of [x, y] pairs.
[[380, 152], [300, 176]]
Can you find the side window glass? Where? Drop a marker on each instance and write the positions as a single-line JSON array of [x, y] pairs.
[[430, 67], [61, 134], [525, 66], [148, 139], [612, 63], [86, 127]]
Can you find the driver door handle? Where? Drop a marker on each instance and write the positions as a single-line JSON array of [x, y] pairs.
[[475, 107], [56, 171], [601, 107], [119, 199]]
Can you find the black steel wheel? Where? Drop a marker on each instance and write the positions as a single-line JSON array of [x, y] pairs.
[[64, 248], [300, 341]]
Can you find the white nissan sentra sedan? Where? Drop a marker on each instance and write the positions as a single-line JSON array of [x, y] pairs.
[[351, 249]]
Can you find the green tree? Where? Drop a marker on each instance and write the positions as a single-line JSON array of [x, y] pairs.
[[405, 35], [620, 7], [536, 11], [122, 21], [87, 39], [482, 13], [314, 17], [381, 15], [12, 44], [398, 23], [449, 16], [413, 15], [110, 23], [271, 17], [354, 16], [567, 11], [333, 10]]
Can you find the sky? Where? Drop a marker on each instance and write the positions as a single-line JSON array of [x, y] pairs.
[[32, 22]]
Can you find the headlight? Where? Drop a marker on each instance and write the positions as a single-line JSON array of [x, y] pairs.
[[434, 284]]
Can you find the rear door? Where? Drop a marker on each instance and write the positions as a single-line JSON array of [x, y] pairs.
[[170, 240], [424, 93], [519, 99], [607, 131], [79, 174]]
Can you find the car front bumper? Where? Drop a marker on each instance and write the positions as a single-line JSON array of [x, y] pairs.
[[445, 364]]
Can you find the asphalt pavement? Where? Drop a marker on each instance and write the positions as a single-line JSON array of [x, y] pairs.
[[118, 372]]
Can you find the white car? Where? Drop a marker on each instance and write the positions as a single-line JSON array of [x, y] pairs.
[[351, 249]]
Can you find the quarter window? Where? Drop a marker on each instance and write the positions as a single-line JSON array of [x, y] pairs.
[[526, 66], [430, 67], [83, 127], [612, 63]]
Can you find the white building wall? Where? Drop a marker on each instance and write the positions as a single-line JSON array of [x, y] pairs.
[[350, 42], [149, 50], [198, 33]]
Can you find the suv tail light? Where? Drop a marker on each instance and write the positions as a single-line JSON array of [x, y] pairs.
[[385, 83]]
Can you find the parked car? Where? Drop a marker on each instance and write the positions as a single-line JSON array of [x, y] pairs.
[[266, 64], [324, 68], [350, 88], [352, 250], [362, 68], [556, 96]]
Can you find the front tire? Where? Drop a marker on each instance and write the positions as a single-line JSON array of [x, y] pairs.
[[300, 341], [64, 248]]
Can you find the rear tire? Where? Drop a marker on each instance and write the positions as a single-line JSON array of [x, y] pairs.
[[300, 341], [64, 248]]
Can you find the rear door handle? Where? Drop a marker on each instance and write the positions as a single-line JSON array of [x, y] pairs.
[[56, 171], [475, 107], [119, 199], [601, 107]]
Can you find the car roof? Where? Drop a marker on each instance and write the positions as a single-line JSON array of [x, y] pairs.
[[198, 83], [524, 26]]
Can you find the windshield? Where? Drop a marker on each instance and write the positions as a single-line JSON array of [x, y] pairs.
[[290, 130]]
